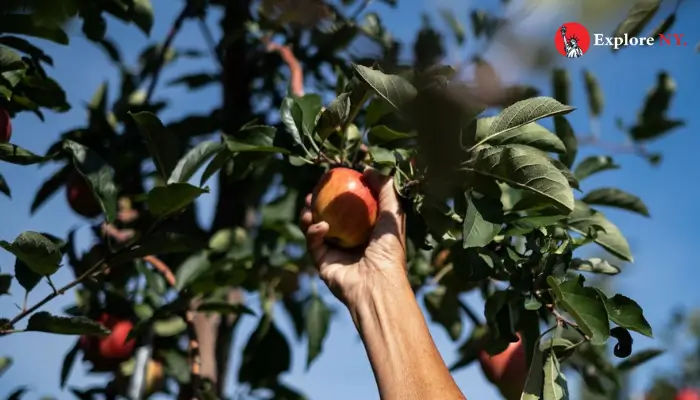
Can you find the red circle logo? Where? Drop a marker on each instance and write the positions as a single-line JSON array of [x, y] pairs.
[[572, 40]]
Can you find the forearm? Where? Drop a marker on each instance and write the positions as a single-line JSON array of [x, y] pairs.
[[405, 361]]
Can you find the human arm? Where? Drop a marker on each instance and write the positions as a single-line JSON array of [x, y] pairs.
[[374, 287], [405, 361]]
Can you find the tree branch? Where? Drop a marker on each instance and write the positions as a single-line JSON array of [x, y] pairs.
[[174, 29], [295, 69]]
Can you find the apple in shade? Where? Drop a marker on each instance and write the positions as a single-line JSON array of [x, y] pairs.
[[80, 197], [106, 352], [688, 394], [5, 126], [344, 201], [506, 370]]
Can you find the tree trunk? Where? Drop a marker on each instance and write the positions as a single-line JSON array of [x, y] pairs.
[[233, 208]]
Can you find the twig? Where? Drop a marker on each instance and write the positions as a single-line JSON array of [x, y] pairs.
[[561, 320], [470, 313], [195, 359], [295, 70], [442, 273], [161, 267], [362, 7], [177, 25], [209, 38], [102, 263]]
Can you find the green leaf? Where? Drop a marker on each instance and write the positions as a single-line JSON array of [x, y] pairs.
[[595, 264], [480, 225], [98, 175], [27, 24], [5, 364], [162, 242], [637, 18], [613, 197], [310, 106], [383, 134], [266, 355], [524, 168], [532, 134], [67, 364], [162, 144], [443, 307], [594, 164], [292, 116], [10, 60], [454, 24], [17, 393], [594, 94], [382, 156], [334, 116], [191, 269], [195, 81], [665, 25], [222, 307], [45, 322], [164, 201], [193, 160], [584, 218], [654, 129], [14, 154], [394, 89], [26, 47], [565, 132], [5, 283], [626, 313], [49, 187], [638, 359], [141, 12], [169, 327], [555, 386], [4, 188], [522, 113], [27, 278], [318, 317], [534, 385], [38, 252], [216, 163], [585, 305], [255, 138]]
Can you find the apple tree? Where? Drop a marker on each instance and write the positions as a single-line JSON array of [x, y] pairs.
[[491, 194]]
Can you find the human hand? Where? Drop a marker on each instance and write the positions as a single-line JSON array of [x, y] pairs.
[[350, 274]]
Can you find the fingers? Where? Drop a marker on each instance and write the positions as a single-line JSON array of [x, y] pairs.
[[315, 233], [383, 186]]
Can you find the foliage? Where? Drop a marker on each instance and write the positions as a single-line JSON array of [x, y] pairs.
[[499, 195]]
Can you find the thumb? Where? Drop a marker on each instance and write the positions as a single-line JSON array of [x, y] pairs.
[[383, 187]]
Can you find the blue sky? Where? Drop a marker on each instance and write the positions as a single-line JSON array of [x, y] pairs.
[[662, 277]]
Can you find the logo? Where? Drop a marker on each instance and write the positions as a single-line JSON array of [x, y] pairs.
[[572, 40]]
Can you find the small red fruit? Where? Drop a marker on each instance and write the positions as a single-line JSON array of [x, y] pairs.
[[5, 126], [688, 394], [507, 370], [106, 352], [80, 197], [343, 200]]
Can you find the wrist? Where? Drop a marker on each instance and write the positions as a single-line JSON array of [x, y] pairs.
[[383, 292]]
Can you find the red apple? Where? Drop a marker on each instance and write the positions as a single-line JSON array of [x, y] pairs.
[[687, 394], [507, 370], [80, 197], [5, 126], [343, 200], [106, 352]]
